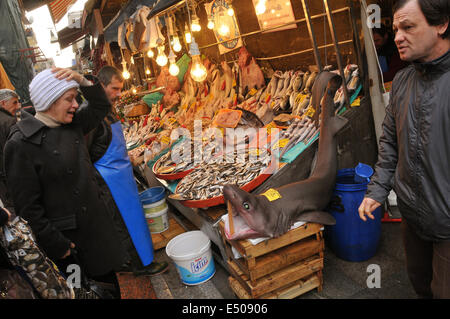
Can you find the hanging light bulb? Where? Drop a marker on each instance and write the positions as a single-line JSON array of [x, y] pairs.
[[260, 7], [150, 53], [147, 71], [230, 10], [176, 44], [210, 23], [173, 68], [224, 30], [125, 73], [161, 59], [134, 91], [195, 26], [187, 34], [198, 70]]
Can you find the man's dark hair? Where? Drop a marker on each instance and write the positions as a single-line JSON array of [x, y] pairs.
[[436, 12], [382, 30], [106, 74]]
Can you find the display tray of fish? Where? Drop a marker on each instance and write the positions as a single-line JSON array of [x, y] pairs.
[[175, 165], [202, 187]]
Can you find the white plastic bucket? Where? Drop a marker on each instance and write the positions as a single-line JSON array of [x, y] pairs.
[[191, 252], [158, 222]]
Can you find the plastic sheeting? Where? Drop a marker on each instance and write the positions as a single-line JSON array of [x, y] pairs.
[[12, 41], [110, 31]]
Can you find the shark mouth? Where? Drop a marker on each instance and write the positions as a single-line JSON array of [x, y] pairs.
[[236, 227]]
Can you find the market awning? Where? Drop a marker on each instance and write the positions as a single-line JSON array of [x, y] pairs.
[[110, 31], [70, 34], [30, 5], [58, 8]]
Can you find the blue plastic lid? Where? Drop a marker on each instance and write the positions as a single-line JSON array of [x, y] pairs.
[[346, 181], [363, 173], [152, 195]]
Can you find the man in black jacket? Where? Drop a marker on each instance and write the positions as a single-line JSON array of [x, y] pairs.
[[99, 143], [414, 151]]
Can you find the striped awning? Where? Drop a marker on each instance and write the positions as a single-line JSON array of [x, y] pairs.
[[58, 9]]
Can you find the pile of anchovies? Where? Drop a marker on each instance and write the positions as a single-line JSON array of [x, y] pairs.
[[207, 180], [167, 165]]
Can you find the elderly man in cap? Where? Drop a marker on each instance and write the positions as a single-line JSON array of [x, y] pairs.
[[9, 105]]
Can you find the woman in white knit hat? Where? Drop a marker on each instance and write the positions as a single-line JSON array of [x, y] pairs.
[[51, 177]]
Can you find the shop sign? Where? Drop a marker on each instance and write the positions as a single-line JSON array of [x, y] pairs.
[[225, 26], [276, 13]]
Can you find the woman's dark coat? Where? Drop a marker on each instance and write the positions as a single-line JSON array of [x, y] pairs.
[[52, 181]]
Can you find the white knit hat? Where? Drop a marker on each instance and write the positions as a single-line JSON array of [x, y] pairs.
[[45, 89]]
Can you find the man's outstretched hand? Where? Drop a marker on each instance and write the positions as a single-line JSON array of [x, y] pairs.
[[368, 205]]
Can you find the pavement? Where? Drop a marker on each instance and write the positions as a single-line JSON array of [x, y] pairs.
[[341, 279]]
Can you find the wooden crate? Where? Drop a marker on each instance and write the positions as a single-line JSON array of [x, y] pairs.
[[289, 281], [289, 291], [275, 254], [162, 239]]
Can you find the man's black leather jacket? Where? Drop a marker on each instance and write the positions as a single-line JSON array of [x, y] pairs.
[[414, 152]]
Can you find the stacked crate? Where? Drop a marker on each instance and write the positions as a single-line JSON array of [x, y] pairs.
[[284, 267]]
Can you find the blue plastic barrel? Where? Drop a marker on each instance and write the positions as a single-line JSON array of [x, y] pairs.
[[351, 238]]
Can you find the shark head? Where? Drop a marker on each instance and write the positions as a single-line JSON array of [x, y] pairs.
[[250, 208]]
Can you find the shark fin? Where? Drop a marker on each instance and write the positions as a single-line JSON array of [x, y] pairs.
[[319, 217]]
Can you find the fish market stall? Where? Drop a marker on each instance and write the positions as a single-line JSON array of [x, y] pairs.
[[242, 94], [223, 92]]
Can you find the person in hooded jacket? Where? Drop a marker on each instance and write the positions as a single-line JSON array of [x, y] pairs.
[[9, 105], [414, 148], [52, 180]]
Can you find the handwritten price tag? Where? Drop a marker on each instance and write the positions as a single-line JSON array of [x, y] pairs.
[[310, 112], [165, 140], [281, 143], [270, 126], [272, 194]]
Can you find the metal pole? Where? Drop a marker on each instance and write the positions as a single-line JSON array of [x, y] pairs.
[[302, 51], [312, 35], [272, 28], [356, 43], [336, 47]]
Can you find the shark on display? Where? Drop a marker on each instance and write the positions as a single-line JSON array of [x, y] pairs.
[[272, 213]]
